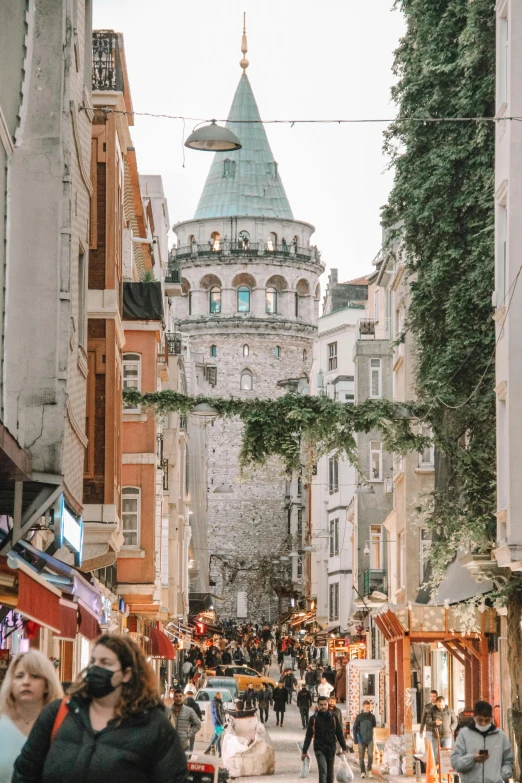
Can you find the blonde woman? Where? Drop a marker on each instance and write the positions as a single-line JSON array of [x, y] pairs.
[[30, 684]]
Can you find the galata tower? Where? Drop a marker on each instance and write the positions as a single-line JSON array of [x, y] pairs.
[[249, 305]]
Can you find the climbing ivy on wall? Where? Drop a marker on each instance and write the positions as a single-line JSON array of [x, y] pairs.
[[442, 201], [293, 424]]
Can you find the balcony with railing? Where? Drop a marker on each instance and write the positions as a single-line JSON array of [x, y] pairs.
[[107, 73], [174, 343], [375, 579], [223, 249]]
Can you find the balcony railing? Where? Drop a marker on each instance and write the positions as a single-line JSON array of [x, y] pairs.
[[173, 274], [107, 72], [250, 249], [173, 340], [375, 579]]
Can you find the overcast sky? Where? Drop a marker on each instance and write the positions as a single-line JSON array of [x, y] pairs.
[[308, 60]]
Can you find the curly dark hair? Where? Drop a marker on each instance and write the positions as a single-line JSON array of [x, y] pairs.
[[141, 692]]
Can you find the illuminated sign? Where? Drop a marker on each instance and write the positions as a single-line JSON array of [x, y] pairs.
[[68, 530]]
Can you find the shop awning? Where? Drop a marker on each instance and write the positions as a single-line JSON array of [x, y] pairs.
[[38, 601], [89, 626], [68, 620], [161, 645]]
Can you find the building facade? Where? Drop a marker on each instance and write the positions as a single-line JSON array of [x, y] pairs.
[[249, 306]]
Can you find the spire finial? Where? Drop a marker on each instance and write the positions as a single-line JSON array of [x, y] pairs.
[[244, 46]]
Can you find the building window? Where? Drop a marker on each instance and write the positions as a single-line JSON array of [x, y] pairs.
[[376, 558], [81, 300], [213, 351], [375, 379], [229, 168], [246, 350], [401, 336], [334, 537], [296, 304], [272, 242], [333, 608], [247, 382], [333, 475], [344, 389], [375, 460], [300, 526], [190, 302], [243, 299], [215, 241], [215, 300], [427, 455], [131, 377], [299, 487], [424, 548], [401, 554], [130, 514], [376, 303], [244, 240], [305, 355], [502, 255], [271, 301], [277, 351], [503, 60], [332, 356]]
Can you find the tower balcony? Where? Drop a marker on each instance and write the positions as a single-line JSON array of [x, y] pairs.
[[251, 250]]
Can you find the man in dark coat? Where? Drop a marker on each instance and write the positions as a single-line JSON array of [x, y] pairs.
[[264, 700], [326, 731], [363, 727], [280, 699], [304, 702], [289, 681]]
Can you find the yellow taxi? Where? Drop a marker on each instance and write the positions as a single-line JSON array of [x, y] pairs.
[[244, 675]]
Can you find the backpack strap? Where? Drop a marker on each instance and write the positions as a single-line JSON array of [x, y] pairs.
[[60, 717]]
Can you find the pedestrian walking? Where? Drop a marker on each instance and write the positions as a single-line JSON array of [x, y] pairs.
[[217, 715], [304, 703], [289, 682], [250, 697], [280, 699], [267, 660], [310, 681], [363, 728], [324, 688], [445, 722], [113, 726], [186, 669], [264, 700], [302, 665], [482, 752], [30, 684], [340, 682], [426, 723], [184, 720], [332, 706], [326, 731]]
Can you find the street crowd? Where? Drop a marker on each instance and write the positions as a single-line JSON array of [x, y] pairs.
[[114, 725]]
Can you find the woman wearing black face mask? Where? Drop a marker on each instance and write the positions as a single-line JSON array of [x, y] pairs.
[[113, 728]]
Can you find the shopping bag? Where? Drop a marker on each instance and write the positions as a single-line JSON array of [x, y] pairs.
[[344, 772], [219, 730], [305, 768]]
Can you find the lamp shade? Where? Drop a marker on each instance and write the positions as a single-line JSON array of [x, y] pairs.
[[204, 411], [213, 138]]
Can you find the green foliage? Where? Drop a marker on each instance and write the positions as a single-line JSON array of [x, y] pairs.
[[441, 206], [283, 426]]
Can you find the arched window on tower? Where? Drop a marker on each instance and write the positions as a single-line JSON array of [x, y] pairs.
[[215, 300], [229, 168], [271, 301], [246, 350], [213, 351], [272, 242], [247, 382], [243, 299], [215, 241], [244, 240], [277, 352]]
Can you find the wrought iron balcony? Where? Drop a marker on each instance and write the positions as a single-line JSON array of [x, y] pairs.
[[173, 274], [107, 73], [375, 579], [173, 340], [244, 248]]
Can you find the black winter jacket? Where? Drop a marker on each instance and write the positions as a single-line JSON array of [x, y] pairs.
[[304, 700], [192, 703], [310, 677], [144, 749], [280, 698], [363, 727], [324, 729]]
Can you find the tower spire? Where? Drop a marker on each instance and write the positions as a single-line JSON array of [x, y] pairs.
[[244, 46]]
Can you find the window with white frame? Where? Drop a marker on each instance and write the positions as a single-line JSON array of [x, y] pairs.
[[375, 379], [333, 607], [375, 460], [503, 60], [501, 255], [376, 559], [376, 304], [334, 537], [299, 531], [333, 475], [401, 555], [427, 455], [424, 548], [332, 356], [246, 350], [130, 515], [131, 377], [247, 382]]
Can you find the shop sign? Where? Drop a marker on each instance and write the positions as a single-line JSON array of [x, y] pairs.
[[68, 530], [445, 761]]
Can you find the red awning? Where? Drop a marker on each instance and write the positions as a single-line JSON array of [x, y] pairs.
[[89, 626], [38, 602], [68, 620], [162, 647]]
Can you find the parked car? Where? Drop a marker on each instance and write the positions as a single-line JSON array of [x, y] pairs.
[[229, 683], [245, 675]]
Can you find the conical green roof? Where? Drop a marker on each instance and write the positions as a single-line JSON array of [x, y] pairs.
[[252, 186]]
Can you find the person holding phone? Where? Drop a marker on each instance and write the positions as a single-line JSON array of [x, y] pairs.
[[482, 753]]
